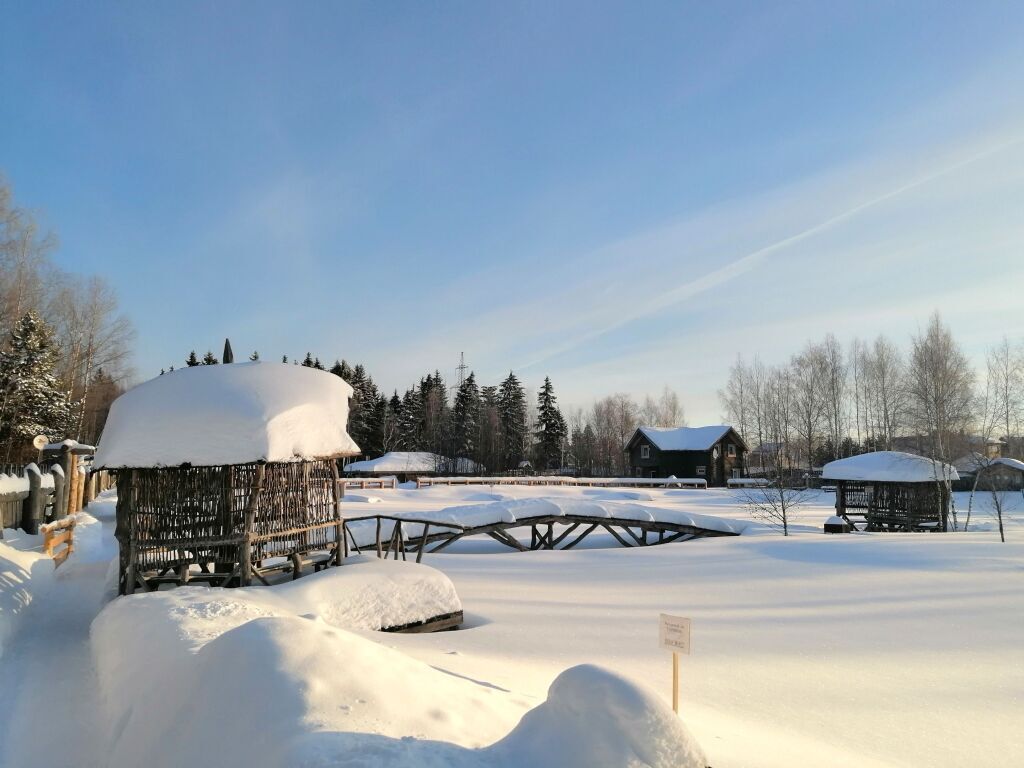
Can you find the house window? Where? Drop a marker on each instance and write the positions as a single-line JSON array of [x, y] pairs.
[[730, 451], [702, 470], [639, 472], [735, 473], [645, 451]]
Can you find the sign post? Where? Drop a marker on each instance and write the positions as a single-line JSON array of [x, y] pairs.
[[39, 442], [674, 634]]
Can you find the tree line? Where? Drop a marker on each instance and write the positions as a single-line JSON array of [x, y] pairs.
[[829, 401], [64, 345], [491, 428]]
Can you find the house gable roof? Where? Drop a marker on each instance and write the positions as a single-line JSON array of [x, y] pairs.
[[685, 438]]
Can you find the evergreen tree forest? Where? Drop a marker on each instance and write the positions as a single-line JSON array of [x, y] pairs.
[[64, 345], [471, 429]]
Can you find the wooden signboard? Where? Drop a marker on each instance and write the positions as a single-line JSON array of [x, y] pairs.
[[674, 635]]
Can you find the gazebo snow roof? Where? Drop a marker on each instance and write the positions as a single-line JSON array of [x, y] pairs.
[[889, 467], [214, 415]]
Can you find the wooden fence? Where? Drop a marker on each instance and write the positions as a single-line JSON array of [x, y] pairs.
[[36, 496], [363, 483], [600, 482]]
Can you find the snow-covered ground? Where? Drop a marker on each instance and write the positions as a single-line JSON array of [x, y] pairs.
[[858, 650]]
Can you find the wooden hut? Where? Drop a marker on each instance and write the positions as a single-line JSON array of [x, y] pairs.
[[226, 471], [893, 491]]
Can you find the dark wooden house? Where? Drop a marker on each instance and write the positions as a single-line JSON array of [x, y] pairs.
[[714, 453]]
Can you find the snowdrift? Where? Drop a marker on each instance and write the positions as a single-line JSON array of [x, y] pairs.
[[24, 574], [394, 462], [181, 689]]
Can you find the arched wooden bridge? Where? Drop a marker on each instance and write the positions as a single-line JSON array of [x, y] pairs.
[[401, 536]]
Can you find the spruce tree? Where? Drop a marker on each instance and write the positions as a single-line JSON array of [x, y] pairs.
[[512, 414], [284, 358], [254, 356], [488, 430], [308, 360], [192, 361], [464, 417], [376, 426], [434, 424], [550, 427], [357, 414], [410, 421], [210, 359], [32, 401]]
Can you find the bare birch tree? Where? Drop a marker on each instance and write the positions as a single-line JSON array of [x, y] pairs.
[[808, 382], [836, 373], [884, 373], [775, 501], [940, 395]]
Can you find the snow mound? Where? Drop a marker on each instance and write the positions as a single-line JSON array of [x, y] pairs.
[[612, 495], [595, 717], [488, 497], [25, 573], [228, 414], [278, 691], [289, 691], [412, 461], [889, 466], [361, 498]]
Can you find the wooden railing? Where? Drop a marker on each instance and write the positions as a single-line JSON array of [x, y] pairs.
[[363, 483], [59, 539]]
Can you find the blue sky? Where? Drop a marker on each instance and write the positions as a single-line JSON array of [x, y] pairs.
[[622, 196]]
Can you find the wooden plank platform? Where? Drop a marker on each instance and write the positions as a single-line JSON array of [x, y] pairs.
[[442, 623]]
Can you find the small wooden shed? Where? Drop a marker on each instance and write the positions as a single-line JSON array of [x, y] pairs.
[[893, 491], [226, 470]]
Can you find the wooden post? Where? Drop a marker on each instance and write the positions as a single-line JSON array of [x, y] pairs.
[[71, 478], [121, 532], [675, 682], [245, 556], [339, 528], [32, 508], [90, 488], [423, 542], [59, 482], [378, 535]]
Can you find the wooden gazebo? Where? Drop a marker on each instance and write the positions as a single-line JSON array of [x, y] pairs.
[[892, 491], [227, 471]]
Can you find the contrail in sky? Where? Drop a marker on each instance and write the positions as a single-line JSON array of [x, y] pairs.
[[746, 263]]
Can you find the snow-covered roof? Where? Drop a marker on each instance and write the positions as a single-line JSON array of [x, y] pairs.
[[890, 467], [411, 461], [68, 443], [211, 415], [1011, 463], [684, 438], [974, 461]]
